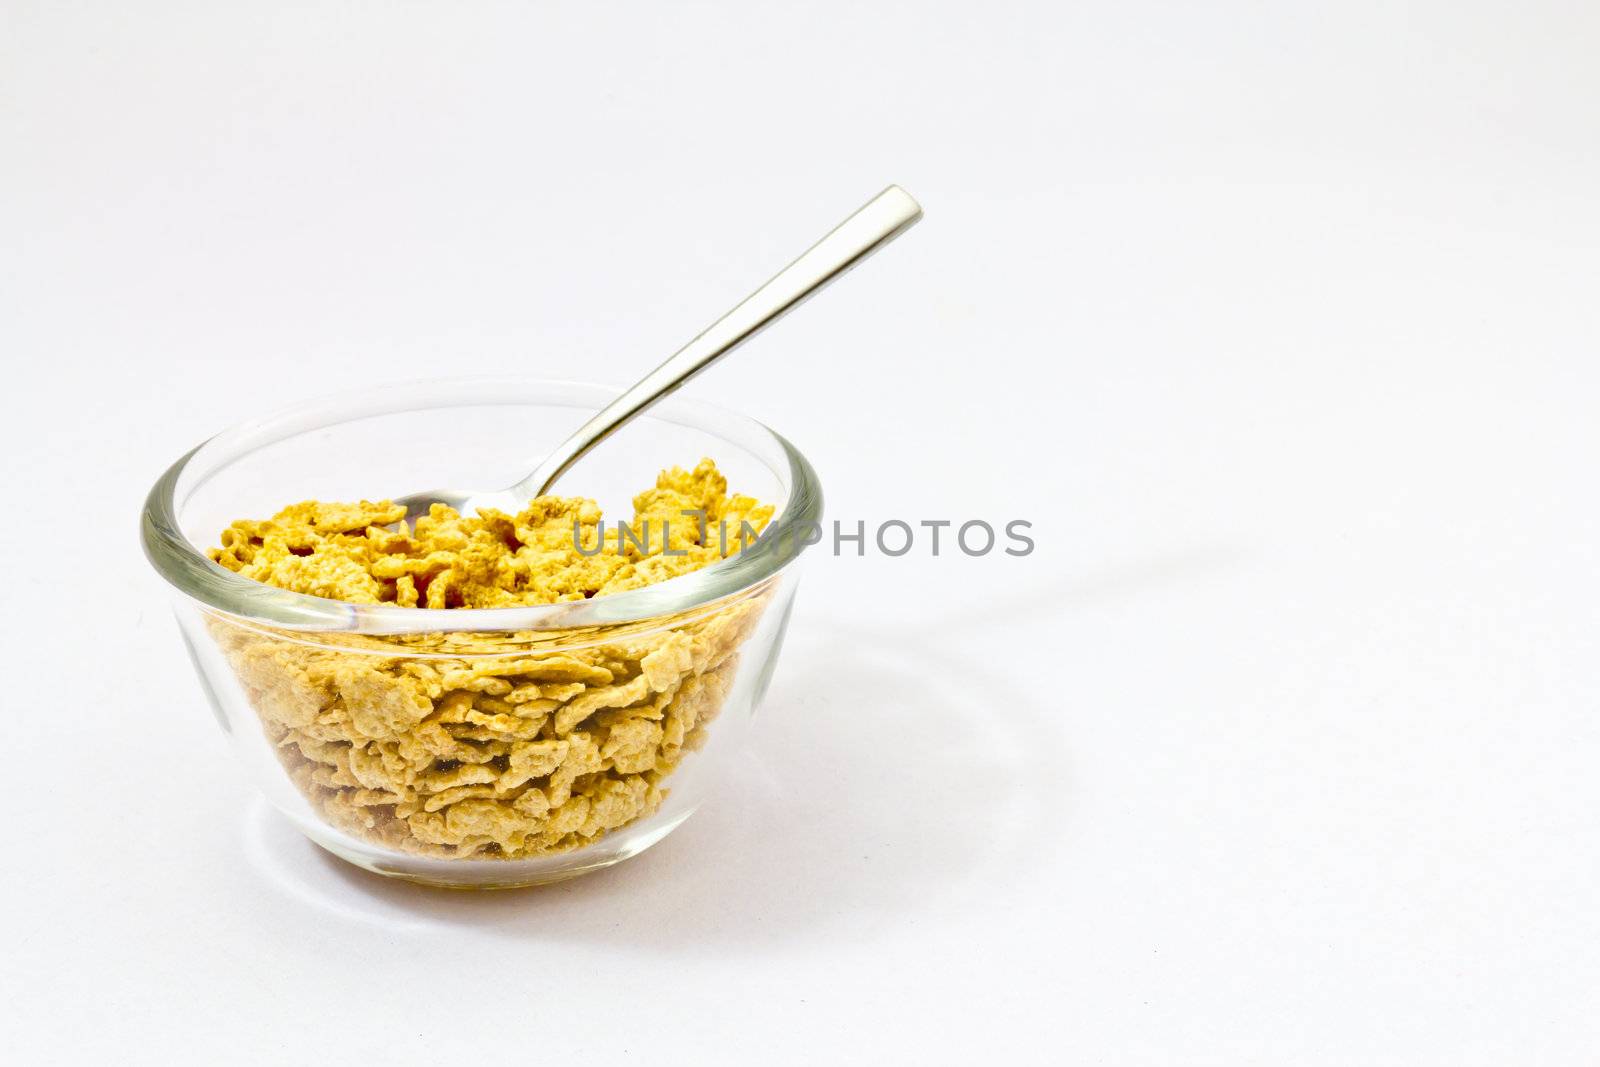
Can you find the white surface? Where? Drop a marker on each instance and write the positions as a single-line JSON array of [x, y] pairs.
[[1278, 321]]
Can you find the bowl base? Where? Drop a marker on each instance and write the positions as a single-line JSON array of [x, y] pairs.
[[495, 874]]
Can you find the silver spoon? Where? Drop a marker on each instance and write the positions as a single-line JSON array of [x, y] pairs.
[[885, 217]]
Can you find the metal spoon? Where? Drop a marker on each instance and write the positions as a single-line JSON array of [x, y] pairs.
[[885, 217]]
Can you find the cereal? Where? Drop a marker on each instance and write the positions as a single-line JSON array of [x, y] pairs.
[[457, 745]]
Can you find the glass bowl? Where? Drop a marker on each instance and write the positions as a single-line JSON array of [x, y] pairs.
[[486, 747]]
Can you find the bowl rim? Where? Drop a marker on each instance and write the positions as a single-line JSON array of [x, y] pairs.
[[194, 575]]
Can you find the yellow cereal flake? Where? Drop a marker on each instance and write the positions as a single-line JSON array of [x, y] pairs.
[[470, 750], [363, 553]]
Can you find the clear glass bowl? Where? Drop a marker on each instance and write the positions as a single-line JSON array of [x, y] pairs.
[[480, 747]]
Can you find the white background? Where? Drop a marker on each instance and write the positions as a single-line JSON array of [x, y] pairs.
[[1277, 320]]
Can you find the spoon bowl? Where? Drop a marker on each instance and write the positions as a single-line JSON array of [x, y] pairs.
[[464, 501]]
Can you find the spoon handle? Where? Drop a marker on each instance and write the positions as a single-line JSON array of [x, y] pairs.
[[885, 217]]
